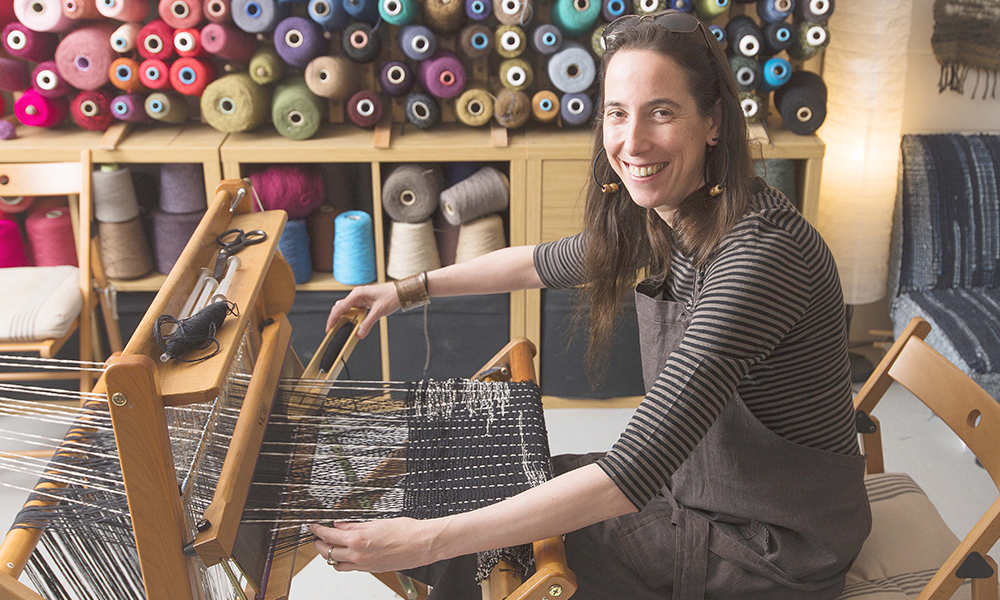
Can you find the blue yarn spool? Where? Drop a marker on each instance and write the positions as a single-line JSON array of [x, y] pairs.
[[777, 72], [772, 11], [480, 41], [294, 246], [329, 14], [546, 39], [398, 12], [365, 11], [354, 248], [576, 109], [417, 42], [612, 9], [478, 10], [719, 33], [777, 37], [575, 17]]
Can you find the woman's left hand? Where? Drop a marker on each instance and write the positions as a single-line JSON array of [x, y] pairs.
[[378, 546]]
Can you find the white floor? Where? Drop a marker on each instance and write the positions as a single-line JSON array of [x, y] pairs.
[[915, 442]]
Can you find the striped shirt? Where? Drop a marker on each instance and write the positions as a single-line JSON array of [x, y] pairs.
[[769, 324]]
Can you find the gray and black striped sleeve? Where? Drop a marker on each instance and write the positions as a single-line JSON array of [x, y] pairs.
[[560, 263]]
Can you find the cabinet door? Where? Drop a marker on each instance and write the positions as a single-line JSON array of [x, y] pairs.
[[563, 183]]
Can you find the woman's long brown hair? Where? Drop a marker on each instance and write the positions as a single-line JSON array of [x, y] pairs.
[[626, 241]]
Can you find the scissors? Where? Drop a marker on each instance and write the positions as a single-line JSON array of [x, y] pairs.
[[232, 241]]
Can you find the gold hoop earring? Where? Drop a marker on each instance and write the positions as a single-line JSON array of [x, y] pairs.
[[716, 190], [607, 188]]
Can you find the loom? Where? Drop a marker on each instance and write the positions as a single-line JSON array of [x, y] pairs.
[[196, 480]]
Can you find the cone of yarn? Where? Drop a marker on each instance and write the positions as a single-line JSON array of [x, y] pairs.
[[572, 69], [510, 40], [294, 246], [124, 10], [35, 110], [84, 56], [293, 189], [171, 233], [446, 235], [512, 108], [545, 106], [180, 14], [445, 17], [597, 43], [266, 66], [546, 39], [50, 234], [576, 109], [575, 17], [442, 75], [474, 107], [422, 110], [320, 223], [412, 249], [46, 81], [113, 195], [155, 40], [7, 12], [187, 42], [11, 245], [411, 193], [182, 188], [329, 14], [513, 12], [42, 15], [124, 75], [816, 11], [217, 11], [91, 110], [168, 107], [154, 74], [362, 10], [478, 10], [228, 42], [361, 43], [486, 191], [753, 108], [193, 76], [354, 248], [14, 75], [516, 74], [15, 204], [802, 102], [395, 78], [476, 41], [123, 39], [334, 77], [124, 249], [81, 10], [364, 108], [296, 112], [810, 38], [479, 237], [747, 72], [258, 16], [612, 9], [21, 42], [129, 108], [417, 42], [298, 40], [744, 35], [398, 12]]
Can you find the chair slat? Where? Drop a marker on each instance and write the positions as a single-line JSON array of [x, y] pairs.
[[40, 179]]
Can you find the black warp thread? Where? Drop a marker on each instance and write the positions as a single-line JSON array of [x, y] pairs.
[[196, 332]]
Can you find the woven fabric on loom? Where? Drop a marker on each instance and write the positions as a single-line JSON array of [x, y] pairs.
[[967, 37]]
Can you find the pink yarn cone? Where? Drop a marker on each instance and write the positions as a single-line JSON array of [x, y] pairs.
[[295, 190]]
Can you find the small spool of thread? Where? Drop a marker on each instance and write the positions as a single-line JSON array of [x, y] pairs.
[[445, 17], [154, 74], [21, 42], [364, 108], [354, 248], [476, 41], [802, 102], [80, 10], [411, 193], [171, 233], [91, 110], [814, 11], [412, 249], [810, 38], [478, 10], [124, 75], [752, 106], [46, 81], [398, 12], [181, 14], [746, 71], [360, 43], [572, 69], [442, 75], [84, 56], [294, 189], [597, 43], [772, 11], [480, 237], [719, 33], [334, 77], [297, 41], [777, 72], [235, 103], [511, 108], [648, 7], [129, 108], [365, 11], [182, 188], [49, 230], [395, 78], [485, 191], [513, 12], [155, 40], [266, 66], [217, 11], [294, 246], [124, 10], [546, 39], [510, 41], [576, 109], [474, 107], [575, 17], [14, 75], [516, 74], [422, 110], [612, 9], [167, 107], [744, 36], [258, 16], [35, 110], [123, 39], [777, 37], [187, 42], [191, 76], [320, 224], [228, 42], [124, 249], [545, 106], [42, 15], [11, 245], [113, 195], [329, 14], [417, 42], [296, 112], [709, 9], [15, 205]]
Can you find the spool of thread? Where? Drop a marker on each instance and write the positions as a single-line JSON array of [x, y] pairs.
[[648, 7], [235, 103], [411, 193], [15, 205], [182, 188], [258, 16], [476, 41], [84, 56], [516, 74], [442, 75], [365, 11], [513, 12], [329, 14], [752, 106], [42, 15], [772, 11], [14, 75], [814, 11], [474, 107], [187, 42], [36, 110], [167, 107], [354, 248], [334, 77], [361, 44], [297, 41], [294, 246], [546, 39], [802, 102], [445, 17], [447, 238], [478, 10], [46, 81], [480, 237], [398, 12], [511, 108], [719, 33], [545, 106], [746, 71], [266, 66], [294, 189], [777, 37], [123, 39], [417, 42], [320, 224], [181, 14], [777, 72], [422, 110], [779, 173], [744, 36], [682, 5], [124, 75], [191, 76], [80, 10], [576, 109], [228, 42], [412, 249], [217, 11], [113, 194], [171, 233], [129, 108], [21, 42], [510, 41], [395, 78], [612, 9], [155, 40], [575, 17], [296, 112], [154, 74], [810, 38], [124, 10], [364, 108], [124, 249], [597, 43], [50, 234], [486, 191], [709, 9], [572, 69], [91, 110], [11, 245]]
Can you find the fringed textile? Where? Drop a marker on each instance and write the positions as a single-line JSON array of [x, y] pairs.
[[966, 41]]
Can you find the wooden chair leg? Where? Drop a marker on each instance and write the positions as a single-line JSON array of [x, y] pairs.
[[986, 589]]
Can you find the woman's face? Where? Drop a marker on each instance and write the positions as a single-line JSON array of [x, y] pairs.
[[654, 135]]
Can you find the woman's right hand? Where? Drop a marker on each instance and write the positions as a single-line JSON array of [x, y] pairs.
[[380, 300]]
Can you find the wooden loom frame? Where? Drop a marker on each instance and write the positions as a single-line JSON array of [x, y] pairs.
[[139, 386]]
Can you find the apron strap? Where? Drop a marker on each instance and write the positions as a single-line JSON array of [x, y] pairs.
[[691, 554]]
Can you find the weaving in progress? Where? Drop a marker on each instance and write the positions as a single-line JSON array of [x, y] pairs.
[[199, 479]]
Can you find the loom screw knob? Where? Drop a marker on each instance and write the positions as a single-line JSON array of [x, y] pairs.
[[204, 525], [119, 399], [555, 591]]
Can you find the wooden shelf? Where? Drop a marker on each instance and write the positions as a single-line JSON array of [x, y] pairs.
[[149, 283]]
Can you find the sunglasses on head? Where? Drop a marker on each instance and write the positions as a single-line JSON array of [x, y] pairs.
[[673, 21]]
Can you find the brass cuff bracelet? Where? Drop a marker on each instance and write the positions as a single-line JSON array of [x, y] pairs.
[[412, 291]]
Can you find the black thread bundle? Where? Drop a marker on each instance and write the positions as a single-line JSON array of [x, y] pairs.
[[196, 332]]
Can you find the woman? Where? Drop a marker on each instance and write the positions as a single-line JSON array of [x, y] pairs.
[[739, 474]]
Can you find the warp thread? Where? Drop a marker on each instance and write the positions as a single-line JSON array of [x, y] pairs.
[[752, 106], [124, 75], [187, 42], [810, 38], [777, 37], [16, 204], [478, 10], [398, 12], [546, 39], [362, 10], [814, 11], [411, 193], [612, 9], [412, 249], [746, 71], [81, 9], [294, 246], [42, 15], [182, 188], [218, 11], [266, 66], [35, 110], [776, 73], [510, 40], [297, 190], [354, 248], [709, 9], [124, 10], [486, 191], [479, 237], [514, 12], [772, 11]]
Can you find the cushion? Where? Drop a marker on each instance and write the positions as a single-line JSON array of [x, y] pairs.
[[38, 302]]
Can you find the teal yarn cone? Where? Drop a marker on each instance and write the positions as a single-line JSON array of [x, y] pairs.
[[294, 246], [354, 248], [398, 12], [575, 17], [296, 112]]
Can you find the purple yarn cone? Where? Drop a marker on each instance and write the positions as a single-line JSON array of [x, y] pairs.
[[442, 75], [129, 107], [396, 78], [297, 41]]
